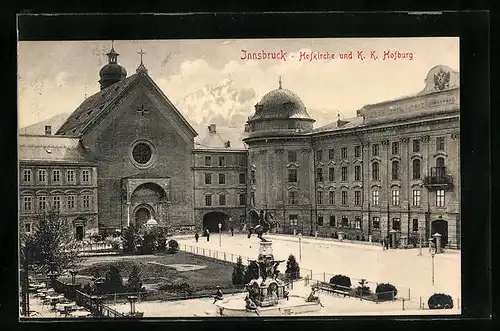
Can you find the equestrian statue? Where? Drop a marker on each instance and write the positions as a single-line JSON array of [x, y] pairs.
[[266, 223]]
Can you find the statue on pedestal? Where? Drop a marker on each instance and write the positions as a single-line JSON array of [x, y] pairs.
[[266, 223]]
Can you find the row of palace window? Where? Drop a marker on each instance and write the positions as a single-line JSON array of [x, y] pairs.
[[222, 199], [344, 222], [395, 171], [221, 161], [344, 173], [358, 201], [42, 176], [28, 202], [222, 178], [395, 150]]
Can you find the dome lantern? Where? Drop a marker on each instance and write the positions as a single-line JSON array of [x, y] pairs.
[[112, 72]]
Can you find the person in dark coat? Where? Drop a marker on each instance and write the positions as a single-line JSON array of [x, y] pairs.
[[196, 236], [218, 295], [232, 231]]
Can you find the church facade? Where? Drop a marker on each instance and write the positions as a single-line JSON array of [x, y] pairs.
[[395, 166]]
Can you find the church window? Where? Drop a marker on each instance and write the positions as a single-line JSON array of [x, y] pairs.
[[142, 153]]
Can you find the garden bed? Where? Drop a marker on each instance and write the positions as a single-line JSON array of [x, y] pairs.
[[154, 270]]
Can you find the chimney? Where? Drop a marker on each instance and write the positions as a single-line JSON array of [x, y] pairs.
[[227, 144], [212, 129], [48, 130]]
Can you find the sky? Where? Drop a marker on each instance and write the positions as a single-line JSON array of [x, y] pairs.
[[54, 77]]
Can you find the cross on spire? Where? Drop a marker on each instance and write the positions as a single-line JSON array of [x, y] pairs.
[[141, 53], [142, 110], [141, 69]]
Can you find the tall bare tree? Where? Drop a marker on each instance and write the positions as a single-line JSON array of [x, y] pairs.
[[52, 243]]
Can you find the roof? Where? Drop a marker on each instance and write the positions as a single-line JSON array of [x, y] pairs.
[[91, 109], [280, 104], [216, 141], [53, 149], [344, 124]]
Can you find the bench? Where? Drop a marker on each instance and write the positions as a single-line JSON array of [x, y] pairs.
[[333, 289]]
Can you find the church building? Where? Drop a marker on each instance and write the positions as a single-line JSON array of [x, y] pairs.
[[126, 156]]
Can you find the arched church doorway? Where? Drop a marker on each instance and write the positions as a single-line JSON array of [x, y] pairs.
[[212, 219], [441, 227], [148, 201], [254, 217]]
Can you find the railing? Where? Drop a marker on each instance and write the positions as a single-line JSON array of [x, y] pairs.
[[402, 292], [306, 274], [438, 177]]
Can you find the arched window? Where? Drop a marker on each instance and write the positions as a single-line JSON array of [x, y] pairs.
[[395, 170], [375, 172], [440, 162], [416, 169]]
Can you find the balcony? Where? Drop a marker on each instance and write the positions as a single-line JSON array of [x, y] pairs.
[[438, 179]]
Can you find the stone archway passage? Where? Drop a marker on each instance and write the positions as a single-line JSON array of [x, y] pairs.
[[142, 215], [212, 219], [441, 227]]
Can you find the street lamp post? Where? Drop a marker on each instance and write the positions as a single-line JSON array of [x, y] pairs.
[[220, 234], [420, 240], [432, 255], [300, 247]]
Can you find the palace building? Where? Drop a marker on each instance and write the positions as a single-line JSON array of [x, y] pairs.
[[126, 155]]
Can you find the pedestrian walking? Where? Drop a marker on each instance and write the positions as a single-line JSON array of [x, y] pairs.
[[232, 231], [196, 236]]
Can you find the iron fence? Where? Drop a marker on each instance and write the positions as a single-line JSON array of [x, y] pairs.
[[401, 292]]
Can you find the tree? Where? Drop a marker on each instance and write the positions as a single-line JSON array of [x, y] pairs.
[[292, 268], [134, 283], [52, 244], [251, 272], [131, 239], [238, 272], [113, 282]]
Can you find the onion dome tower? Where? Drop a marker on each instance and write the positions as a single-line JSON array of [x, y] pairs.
[[112, 72]]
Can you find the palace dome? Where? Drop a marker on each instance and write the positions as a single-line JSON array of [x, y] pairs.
[[280, 104]]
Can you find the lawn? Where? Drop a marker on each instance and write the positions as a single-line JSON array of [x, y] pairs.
[[160, 269]]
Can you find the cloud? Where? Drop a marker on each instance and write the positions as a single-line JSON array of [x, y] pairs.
[[333, 85]]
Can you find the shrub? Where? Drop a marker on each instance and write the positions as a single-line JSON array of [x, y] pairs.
[[113, 283], [114, 242], [292, 268], [385, 291], [440, 301], [179, 286], [134, 283], [341, 280], [172, 246], [238, 272], [251, 272], [148, 243]]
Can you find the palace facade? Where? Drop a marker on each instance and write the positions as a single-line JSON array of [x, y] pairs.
[[133, 157]]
